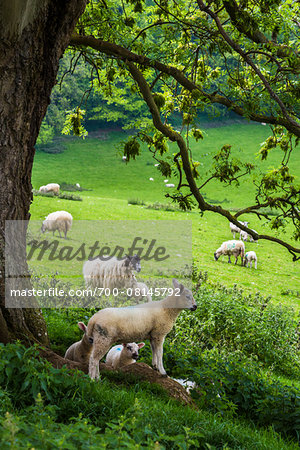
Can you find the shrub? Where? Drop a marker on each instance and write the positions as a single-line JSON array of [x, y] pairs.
[[136, 201], [225, 318], [64, 196]]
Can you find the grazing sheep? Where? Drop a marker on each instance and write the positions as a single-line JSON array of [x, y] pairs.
[[151, 179], [235, 248], [113, 273], [235, 229], [80, 351], [141, 291], [58, 220], [51, 187], [170, 185], [249, 257], [77, 185], [246, 236], [151, 321], [123, 355]]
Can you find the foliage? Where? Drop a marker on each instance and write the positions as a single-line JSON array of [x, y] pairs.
[[62, 195], [46, 134], [73, 123], [52, 409], [186, 57], [251, 324]]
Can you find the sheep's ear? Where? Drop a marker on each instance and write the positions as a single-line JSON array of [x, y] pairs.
[[175, 283], [141, 344], [82, 326], [181, 287]]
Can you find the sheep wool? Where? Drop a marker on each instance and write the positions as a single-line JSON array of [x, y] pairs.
[[58, 221]]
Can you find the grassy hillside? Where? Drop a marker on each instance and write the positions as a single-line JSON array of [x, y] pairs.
[[97, 166]]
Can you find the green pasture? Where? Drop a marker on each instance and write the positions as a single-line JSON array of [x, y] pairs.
[[97, 166]]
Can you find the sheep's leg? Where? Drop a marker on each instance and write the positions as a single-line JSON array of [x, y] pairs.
[[229, 260], [158, 346], [251, 264], [59, 234], [255, 264], [154, 359], [100, 348]]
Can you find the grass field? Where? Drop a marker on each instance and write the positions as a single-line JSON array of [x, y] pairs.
[[97, 166], [242, 355]]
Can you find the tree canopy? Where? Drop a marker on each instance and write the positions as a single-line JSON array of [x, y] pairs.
[[184, 57]]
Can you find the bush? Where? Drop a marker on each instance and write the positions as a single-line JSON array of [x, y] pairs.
[[64, 196], [53, 409], [250, 324]]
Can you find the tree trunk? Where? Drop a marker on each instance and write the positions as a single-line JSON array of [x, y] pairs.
[[33, 37]]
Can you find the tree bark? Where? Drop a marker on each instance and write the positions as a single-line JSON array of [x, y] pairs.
[[33, 37]]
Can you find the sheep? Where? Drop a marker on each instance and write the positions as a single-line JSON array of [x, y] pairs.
[[246, 236], [141, 291], [187, 384], [112, 273], [151, 321], [170, 185], [235, 248], [80, 351], [249, 257], [58, 220], [235, 229], [123, 355], [51, 187]]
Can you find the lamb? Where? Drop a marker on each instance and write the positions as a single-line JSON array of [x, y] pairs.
[[112, 273], [151, 321], [58, 220], [187, 384], [80, 351], [123, 355], [235, 248], [249, 257], [51, 187], [235, 229]]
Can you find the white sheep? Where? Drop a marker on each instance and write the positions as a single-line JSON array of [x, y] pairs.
[[249, 258], [58, 220], [247, 237], [170, 185], [112, 273], [153, 321], [235, 248], [51, 187], [77, 185], [187, 384], [235, 229], [80, 351], [123, 355]]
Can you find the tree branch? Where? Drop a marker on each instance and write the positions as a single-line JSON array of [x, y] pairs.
[[176, 137], [116, 51]]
